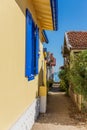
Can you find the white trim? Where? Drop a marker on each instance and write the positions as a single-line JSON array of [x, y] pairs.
[[43, 104], [67, 41], [27, 119]]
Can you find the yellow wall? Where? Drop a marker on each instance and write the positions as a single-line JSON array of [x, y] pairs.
[[16, 93], [72, 55], [41, 66]]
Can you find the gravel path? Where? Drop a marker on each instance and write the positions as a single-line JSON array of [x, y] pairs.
[[61, 114]]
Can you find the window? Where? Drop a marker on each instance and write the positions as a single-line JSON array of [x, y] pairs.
[[32, 47], [76, 54]]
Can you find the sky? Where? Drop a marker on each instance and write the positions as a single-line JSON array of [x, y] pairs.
[[72, 16]]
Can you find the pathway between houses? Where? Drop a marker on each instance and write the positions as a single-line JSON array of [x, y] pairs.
[[61, 114]]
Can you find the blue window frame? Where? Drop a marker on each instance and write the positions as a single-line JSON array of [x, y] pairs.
[[32, 47]]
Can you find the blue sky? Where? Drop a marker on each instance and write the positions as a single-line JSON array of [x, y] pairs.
[[72, 16]]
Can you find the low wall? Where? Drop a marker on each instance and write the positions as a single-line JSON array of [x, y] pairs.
[[43, 98], [77, 98]]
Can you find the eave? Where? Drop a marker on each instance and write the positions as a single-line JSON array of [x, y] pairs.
[[46, 13], [54, 9], [45, 39], [66, 48]]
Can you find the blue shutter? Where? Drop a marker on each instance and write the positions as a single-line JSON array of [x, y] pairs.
[[28, 69], [33, 48], [36, 51]]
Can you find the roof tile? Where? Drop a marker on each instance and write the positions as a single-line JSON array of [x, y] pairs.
[[78, 40]]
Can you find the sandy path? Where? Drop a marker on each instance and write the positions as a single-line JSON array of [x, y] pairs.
[[59, 114]]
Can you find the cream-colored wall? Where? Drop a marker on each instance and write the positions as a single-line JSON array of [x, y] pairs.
[[16, 93], [41, 66]]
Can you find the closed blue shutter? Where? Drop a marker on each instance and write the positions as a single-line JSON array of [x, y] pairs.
[[28, 69], [36, 51]]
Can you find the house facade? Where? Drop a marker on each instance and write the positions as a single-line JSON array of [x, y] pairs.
[[74, 42], [22, 25], [51, 63]]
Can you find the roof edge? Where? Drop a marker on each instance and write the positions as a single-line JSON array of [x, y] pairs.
[[67, 41], [54, 7], [45, 36]]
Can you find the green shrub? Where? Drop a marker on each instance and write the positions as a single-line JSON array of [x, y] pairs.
[[78, 74], [63, 85], [64, 79], [49, 83]]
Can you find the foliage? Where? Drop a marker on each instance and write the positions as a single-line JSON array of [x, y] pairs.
[[78, 74], [64, 79]]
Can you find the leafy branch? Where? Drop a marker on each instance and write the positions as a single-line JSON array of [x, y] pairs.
[[78, 74]]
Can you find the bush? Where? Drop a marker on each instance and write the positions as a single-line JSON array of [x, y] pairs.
[[63, 85], [78, 74], [49, 83], [64, 79]]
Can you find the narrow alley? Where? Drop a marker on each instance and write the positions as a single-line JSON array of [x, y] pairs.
[[61, 113]]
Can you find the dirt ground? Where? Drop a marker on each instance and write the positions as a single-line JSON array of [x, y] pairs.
[[61, 114]]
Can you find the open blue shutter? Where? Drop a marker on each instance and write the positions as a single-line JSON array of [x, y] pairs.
[[33, 46], [28, 70], [36, 51]]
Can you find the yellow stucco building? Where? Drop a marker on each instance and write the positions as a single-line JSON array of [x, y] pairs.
[[19, 84]]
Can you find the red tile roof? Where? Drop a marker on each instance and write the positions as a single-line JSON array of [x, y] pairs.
[[78, 40]]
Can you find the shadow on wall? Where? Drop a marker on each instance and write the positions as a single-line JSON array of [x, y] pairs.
[[27, 4], [22, 5], [40, 78]]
